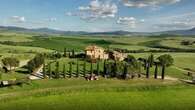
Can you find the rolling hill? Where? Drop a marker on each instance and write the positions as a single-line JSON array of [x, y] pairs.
[[120, 32]]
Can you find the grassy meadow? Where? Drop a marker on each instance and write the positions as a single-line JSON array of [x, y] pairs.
[[104, 94]]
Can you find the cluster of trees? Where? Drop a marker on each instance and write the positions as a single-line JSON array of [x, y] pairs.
[[57, 55], [36, 62], [10, 63], [129, 68], [160, 49], [187, 42], [56, 73]]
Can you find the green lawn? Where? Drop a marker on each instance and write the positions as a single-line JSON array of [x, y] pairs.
[[78, 94]]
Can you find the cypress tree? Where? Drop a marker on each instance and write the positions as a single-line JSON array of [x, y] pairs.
[[44, 70], [115, 69], [156, 70], [105, 70], [163, 71], [50, 72], [64, 70], [70, 69], [57, 70], [69, 54], [84, 68], [91, 70], [151, 60], [98, 68], [77, 74], [148, 70], [65, 55], [73, 53], [125, 71]]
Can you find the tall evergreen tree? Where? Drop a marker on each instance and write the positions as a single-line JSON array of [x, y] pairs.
[[65, 52], [73, 53], [57, 70], [64, 70], [77, 73], [98, 68], [163, 71], [156, 70], [114, 69], [105, 69], [44, 70], [50, 72], [84, 68], [125, 71], [147, 70], [69, 54], [91, 68], [151, 60], [70, 69]]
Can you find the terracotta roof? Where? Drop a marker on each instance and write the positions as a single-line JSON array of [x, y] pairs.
[[92, 47]]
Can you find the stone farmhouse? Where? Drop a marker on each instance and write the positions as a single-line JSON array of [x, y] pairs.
[[118, 56], [95, 52]]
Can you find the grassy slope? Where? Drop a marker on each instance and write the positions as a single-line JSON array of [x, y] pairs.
[[78, 94]]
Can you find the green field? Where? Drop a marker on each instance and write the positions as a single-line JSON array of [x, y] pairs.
[[104, 94], [77, 94]]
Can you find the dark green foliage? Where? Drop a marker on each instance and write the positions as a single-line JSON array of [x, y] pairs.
[[147, 70], [77, 73], [70, 69], [156, 70], [98, 67], [57, 70], [73, 53], [10, 62], [44, 70], [49, 69], [130, 58], [163, 71], [84, 68], [65, 52], [108, 68], [36, 62], [91, 68], [166, 60], [54, 55], [125, 71], [64, 70], [151, 60], [104, 67]]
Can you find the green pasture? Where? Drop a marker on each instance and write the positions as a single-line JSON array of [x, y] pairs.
[[78, 94]]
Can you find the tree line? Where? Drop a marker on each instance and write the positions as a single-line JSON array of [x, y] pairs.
[[129, 68]]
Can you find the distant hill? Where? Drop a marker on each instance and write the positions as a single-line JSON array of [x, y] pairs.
[[126, 33], [181, 32]]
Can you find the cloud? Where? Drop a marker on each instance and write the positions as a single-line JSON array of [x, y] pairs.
[[129, 21], [52, 19], [18, 19], [175, 25], [148, 3], [96, 10]]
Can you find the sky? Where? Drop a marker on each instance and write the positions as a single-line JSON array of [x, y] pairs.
[[99, 15]]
